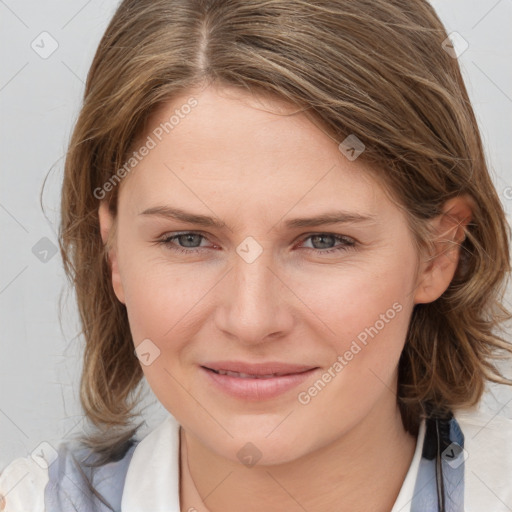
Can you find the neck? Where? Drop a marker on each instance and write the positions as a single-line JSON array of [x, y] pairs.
[[362, 470]]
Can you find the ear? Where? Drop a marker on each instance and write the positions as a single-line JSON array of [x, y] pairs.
[[438, 268], [107, 230]]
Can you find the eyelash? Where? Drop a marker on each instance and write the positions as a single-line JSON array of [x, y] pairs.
[[349, 243]]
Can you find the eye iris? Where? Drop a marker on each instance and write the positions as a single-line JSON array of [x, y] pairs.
[[187, 237], [315, 238]]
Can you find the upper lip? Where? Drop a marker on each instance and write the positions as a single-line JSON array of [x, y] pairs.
[[271, 367]]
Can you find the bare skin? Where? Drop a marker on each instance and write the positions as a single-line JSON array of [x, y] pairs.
[[346, 448]]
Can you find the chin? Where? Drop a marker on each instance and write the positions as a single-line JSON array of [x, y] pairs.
[[254, 446]]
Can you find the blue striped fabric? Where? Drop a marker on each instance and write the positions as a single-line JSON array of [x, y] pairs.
[[72, 480]]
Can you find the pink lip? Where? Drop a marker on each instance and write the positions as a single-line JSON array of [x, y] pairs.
[[256, 389]]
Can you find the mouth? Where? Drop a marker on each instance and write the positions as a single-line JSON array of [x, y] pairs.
[[241, 375], [254, 387]]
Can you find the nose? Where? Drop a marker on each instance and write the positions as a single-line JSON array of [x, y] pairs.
[[256, 304]]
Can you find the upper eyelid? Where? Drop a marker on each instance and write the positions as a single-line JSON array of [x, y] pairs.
[[173, 234]]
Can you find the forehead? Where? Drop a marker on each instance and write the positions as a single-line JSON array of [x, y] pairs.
[[245, 151]]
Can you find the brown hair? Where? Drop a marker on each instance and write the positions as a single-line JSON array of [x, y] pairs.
[[373, 68]]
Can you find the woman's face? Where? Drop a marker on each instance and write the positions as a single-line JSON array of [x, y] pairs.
[[251, 283]]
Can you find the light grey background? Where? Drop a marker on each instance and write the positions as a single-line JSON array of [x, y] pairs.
[[39, 101]]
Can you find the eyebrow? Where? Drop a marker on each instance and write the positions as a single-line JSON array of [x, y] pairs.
[[335, 217], [178, 214]]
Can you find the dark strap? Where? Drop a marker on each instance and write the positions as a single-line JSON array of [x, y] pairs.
[[440, 483]]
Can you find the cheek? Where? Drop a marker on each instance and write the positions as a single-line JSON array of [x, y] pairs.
[[353, 297], [370, 325], [158, 293], [365, 313], [160, 304]]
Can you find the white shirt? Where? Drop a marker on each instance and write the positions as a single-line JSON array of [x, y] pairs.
[[152, 481]]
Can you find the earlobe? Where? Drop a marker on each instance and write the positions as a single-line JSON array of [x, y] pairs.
[[107, 224], [438, 268]]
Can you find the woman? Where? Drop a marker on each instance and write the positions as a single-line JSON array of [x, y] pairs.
[[220, 146]]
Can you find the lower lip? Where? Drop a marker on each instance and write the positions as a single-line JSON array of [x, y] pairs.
[[256, 389]]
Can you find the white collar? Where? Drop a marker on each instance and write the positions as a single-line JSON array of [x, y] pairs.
[[153, 478], [404, 499]]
